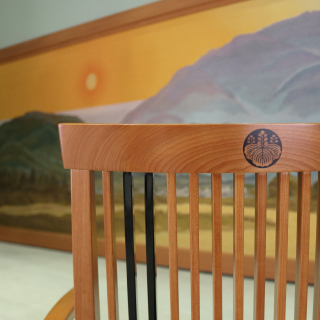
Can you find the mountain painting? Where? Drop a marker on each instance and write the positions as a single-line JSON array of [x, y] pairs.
[[269, 76]]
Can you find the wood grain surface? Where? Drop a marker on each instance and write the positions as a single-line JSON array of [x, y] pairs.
[[173, 245], [110, 245], [63, 309], [217, 245], [260, 245], [303, 234], [193, 149], [238, 245], [84, 246], [316, 299], [134, 18], [184, 148], [281, 257], [194, 246]]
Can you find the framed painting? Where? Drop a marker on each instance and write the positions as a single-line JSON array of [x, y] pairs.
[[197, 62]]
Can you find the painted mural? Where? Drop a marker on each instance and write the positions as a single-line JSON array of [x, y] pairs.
[[269, 76], [272, 75], [32, 179]]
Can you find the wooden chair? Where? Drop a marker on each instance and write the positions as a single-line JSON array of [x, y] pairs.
[[64, 308], [193, 149]]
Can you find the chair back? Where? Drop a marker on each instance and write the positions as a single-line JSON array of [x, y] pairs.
[[193, 149]]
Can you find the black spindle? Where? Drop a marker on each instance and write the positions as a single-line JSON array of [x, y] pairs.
[[150, 247], [130, 259]]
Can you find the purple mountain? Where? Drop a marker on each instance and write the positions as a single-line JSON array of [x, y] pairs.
[[269, 76]]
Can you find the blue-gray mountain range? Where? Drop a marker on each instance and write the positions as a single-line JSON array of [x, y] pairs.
[[269, 76]]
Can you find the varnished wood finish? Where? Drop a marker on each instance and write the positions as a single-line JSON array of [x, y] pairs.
[[217, 245], [194, 246], [64, 308], [206, 148], [144, 15], [84, 245], [238, 245], [316, 299], [303, 231], [110, 245], [281, 246], [260, 244], [180, 148], [173, 245]]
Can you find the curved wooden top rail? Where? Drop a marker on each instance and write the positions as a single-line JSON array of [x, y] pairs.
[[193, 148]]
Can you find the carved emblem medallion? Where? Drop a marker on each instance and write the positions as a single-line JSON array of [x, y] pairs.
[[262, 148]]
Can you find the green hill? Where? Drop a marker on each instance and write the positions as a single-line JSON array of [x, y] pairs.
[[30, 159]]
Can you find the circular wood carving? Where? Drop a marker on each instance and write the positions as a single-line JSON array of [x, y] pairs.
[[262, 148]]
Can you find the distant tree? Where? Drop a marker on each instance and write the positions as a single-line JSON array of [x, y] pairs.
[[2, 179], [32, 177], [24, 181]]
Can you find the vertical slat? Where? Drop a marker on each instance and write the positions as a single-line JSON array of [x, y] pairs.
[[130, 256], [316, 301], [217, 245], [194, 245], [302, 258], [150, 246], [238, 245], [84, 245], [173, 245], [260, 244], [110, 245], [281, 246]]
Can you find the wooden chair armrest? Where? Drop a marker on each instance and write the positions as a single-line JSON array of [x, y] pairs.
[[64, 308]]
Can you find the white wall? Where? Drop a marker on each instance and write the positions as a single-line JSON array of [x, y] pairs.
[[22, 20]]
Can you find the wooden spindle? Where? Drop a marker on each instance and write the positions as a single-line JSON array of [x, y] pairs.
[[110, 245], [129, 238], [217, 245], [150, 246], [173, 245], [238, 245], [316, 299], [194, 246], [280, 287], [260, 244], [84, 245], [303, 233]]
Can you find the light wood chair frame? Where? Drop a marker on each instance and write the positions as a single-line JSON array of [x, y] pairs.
[[192, 149]]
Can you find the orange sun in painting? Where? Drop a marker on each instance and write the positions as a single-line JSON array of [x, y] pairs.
[[91, 81], [91, 84]]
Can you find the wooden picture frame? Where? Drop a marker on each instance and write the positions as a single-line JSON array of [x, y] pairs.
[[137, 17]]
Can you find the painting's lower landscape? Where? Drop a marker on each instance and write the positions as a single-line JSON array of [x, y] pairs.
[[56, 217]]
